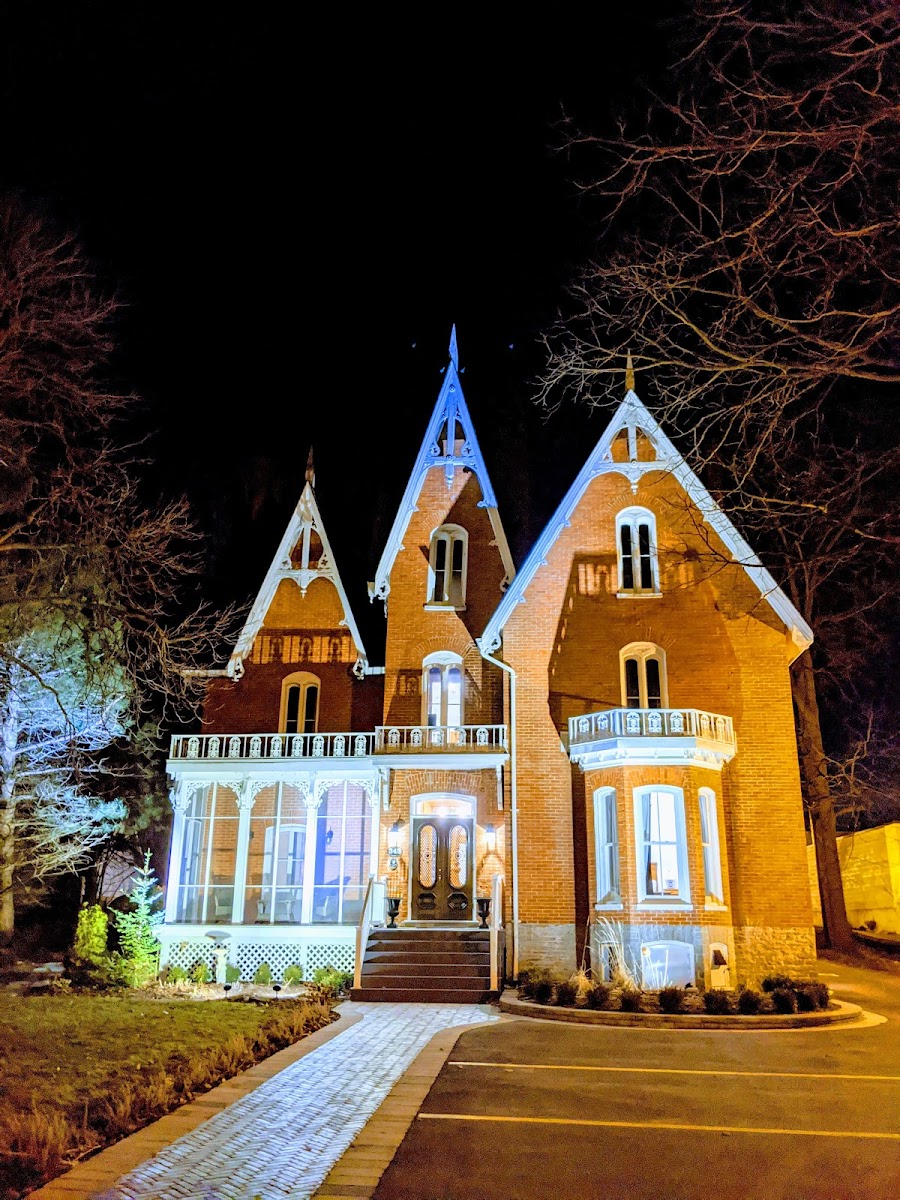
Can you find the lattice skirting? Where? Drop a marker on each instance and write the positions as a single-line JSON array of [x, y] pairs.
[[248, 956]]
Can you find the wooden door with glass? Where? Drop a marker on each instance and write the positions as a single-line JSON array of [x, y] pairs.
[[443, 862]]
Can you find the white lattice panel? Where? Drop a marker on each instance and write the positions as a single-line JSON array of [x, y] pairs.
[[341, 956], [187, 954]]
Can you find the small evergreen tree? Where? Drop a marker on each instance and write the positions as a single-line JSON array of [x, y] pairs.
[[139, 944], [90, 935]]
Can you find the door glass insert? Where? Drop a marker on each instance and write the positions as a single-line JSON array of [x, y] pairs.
[[459, 857], [427, 856]]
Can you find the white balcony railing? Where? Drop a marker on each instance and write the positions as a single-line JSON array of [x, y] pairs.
[[427, 739], [271, 745], [650, 723]]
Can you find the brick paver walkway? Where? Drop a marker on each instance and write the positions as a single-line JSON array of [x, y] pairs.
[[280, 1141]]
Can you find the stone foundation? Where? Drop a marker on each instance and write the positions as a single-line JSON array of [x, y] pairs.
[[551, 947], [701, 938], [768, 950]]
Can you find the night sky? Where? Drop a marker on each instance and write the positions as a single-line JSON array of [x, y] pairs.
[[295, 214]]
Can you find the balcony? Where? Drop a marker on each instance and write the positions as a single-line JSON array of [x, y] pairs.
[[268, 746], [440, 739], [651, 737]]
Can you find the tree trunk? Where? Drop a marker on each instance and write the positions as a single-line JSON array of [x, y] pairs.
[[820, 805], [9, 732]]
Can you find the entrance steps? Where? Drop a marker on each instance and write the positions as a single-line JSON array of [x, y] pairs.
[[436, 965]]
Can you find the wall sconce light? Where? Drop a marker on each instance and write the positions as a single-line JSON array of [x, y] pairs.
[[490, 838], [394, 848]]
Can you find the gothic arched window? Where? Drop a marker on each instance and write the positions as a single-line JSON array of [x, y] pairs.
[[447, 565]]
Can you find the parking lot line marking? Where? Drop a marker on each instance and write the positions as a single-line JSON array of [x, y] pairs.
[[509, 1066], [507, 1120]]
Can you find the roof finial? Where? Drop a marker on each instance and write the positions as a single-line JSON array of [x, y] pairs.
[[310, 470], [629, 373], [454, 352]]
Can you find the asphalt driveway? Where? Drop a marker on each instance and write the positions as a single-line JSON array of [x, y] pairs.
[[532, 1110]]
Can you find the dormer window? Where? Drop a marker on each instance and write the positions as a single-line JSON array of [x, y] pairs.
[[300, 704], [643, 671], [447, 566], [636, 542]]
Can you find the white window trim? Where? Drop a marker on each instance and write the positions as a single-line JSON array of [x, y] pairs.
[[715, 894], [445, 659], [303, 680], [608, 897], [448, 534], [643, 651], [633, 517], [662, 903]]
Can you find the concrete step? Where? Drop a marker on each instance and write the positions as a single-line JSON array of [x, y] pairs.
[[399, 965], [426, 958], [423, 995], [428, 945], [404, 931], [427, 983]]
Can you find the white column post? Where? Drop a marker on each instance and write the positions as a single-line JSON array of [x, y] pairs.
[[309, 852], [247, 792], [180, 798]]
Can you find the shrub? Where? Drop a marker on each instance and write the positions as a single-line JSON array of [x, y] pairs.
[[717, 1002], [542, 991], [529, 979], [771, 982], [598, 996], [630, 1000], [91, 934], [232, 973], [811, 996], [263, 975], [566, 993], [200, 973], [330, 979], [175, 975], [671, 999], [784, 1000], [293, 974], [750, 1002]]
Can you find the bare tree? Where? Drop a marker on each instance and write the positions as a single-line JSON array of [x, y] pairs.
[[750, 261], [98, 628]]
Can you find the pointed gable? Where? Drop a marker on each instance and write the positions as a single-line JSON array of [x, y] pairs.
[[303, 557], [633, 444], [449, 442]]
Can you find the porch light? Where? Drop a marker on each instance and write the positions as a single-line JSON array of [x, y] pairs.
[[490, 838], [394, 848]]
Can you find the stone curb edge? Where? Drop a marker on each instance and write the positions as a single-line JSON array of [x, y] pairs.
[[510, 1003], [358, 1171], [96, 1175]]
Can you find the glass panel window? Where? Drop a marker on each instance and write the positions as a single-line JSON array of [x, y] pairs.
[[343, 853], [443, 687], [300, 703], [632, 684], [606, 833], [654, 689], [662, 858], [311, 709], [276, 857], [435, 695], [712, 857], [454, 696], [208, 857], [292, 709], [447, 566], [459, 856], [643, 676], [636, 542]]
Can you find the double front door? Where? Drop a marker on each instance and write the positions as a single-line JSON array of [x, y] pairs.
[[443, 862]]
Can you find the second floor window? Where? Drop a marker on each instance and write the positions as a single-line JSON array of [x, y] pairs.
[[443, 687], [643, 676], [636, 538], [447, 566], [606, 834], [300, 704]]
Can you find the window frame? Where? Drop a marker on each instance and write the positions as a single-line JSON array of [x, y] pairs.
[[644, 652], [711, 848], [446, 661], [303, 680], [449, 536], [651, 900], [607, 861], [632, 519]]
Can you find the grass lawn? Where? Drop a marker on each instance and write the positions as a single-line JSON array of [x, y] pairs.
[[79, 1071]]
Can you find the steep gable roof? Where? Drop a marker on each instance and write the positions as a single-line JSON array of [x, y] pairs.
[[633, 416], [305, 520], [450, 411]]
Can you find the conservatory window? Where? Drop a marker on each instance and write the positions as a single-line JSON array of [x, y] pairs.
[[447, 566], [343, 853], [208, 857], [643, 670], [443, 690], [636, 542], [299, 703], [606, 840], [276, 856], [712, 857], [661, 845]]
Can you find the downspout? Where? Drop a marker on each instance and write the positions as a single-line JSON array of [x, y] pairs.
[[513, 802]]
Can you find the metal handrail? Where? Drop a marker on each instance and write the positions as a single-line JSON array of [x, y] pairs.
[[375, 903], [650, 722], [496, 924]]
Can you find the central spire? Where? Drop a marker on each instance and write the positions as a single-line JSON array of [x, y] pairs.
[[453, 349]]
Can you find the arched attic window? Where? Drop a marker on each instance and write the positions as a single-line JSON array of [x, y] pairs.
[[299, 703], [442, 687], [447, 566], [636, 550], [643, 676]]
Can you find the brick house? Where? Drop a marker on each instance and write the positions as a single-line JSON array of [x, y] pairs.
[[602, 744]]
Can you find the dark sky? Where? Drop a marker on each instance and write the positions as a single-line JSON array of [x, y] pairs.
[[295, 213]]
